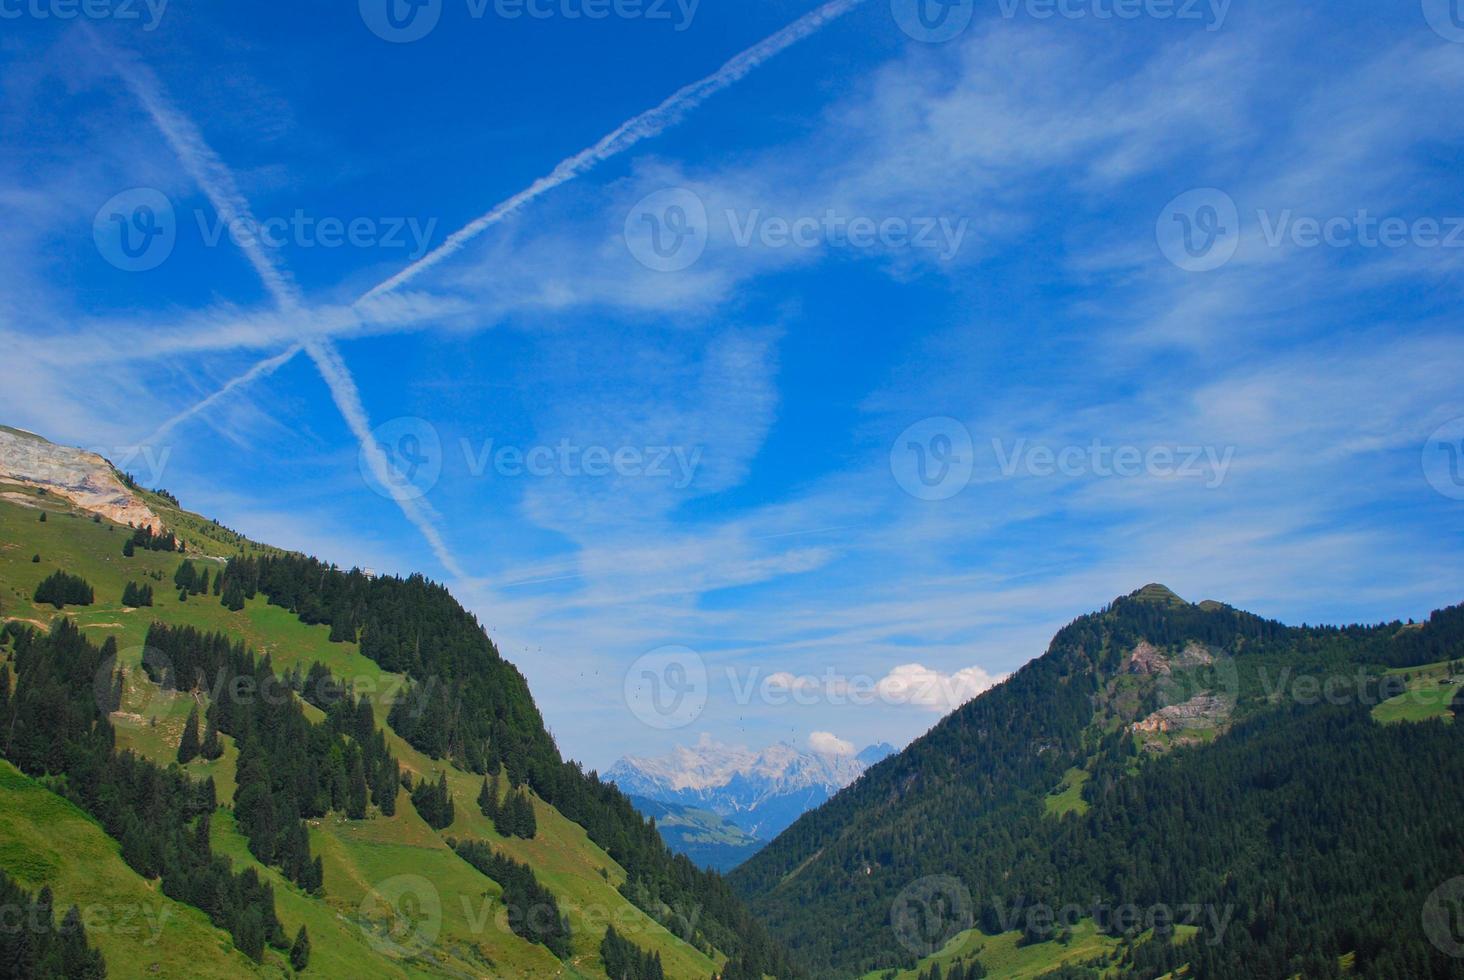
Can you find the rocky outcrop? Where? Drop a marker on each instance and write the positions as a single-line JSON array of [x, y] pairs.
[[1200, 711], [1147, 659], [1150, 660], [85, 479]]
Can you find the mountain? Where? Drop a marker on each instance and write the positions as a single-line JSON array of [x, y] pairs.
[[760, 792], [707, 839], [1172, 788], [268, 761]]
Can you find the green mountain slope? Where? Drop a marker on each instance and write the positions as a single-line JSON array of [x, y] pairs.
[[396, 899], [705, 837], [1195, 764]]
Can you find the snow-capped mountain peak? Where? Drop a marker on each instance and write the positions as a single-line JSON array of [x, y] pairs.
[[762, 791]]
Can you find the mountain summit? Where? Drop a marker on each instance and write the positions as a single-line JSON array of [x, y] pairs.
[[759, 791]]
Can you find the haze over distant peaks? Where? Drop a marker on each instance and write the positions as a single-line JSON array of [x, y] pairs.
[[761, 791]]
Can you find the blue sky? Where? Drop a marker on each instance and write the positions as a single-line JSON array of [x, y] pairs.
[[865, 366]]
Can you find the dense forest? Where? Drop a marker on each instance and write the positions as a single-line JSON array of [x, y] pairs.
[[1290, 822], [35, 946], [469, 706], [55, 724], [533, 912], [290, 769]]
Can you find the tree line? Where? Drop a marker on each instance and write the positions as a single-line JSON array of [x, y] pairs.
[[55, 724], [468, 705]]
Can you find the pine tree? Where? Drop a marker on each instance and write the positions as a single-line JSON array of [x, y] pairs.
[[356, 794], [128, 548], [249, 934], [525, 824], [233, 597], [300, 952], [201, 588], [43, 517], [212, 746], [488, 798], [188, 745], [444, 797], [186, 577]]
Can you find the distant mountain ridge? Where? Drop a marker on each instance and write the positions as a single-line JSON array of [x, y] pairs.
[[707, 838], [762, 792]]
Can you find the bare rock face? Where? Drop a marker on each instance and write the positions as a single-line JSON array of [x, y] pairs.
[[1194, 655], [1200, 711], [85, 479], [1148, 659]]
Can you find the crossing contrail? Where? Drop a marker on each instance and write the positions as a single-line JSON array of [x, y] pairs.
[[646, 125], [218, 184], [259, 370]]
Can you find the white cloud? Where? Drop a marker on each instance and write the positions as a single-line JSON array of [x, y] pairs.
[[925, 687], [827, 743]]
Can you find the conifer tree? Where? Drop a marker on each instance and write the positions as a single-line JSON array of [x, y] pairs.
[[488, 798], [188, 745], [300, 951], [356, 794], [212, 747]]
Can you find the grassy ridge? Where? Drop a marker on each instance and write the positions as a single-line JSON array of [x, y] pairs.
[[1004, 955], [358, 856], [45, 840]]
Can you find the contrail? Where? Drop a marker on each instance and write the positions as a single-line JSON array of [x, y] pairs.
[[218, 184], [259, 370], [647, 125]]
